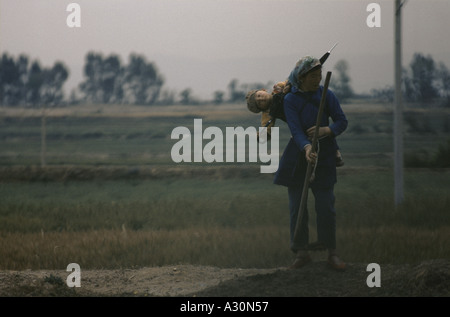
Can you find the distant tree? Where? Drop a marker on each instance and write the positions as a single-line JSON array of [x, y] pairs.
[[91, 86], [443, 83], [13, 77], [23, 75], [384, 94], [52, 82], [101, 84], [218, 97], [107, 81], [34, 84], [110, 86], [236, 94], [24, 85], [141, 81], [186, 96], [341, 84], [423, 77], [409, 89], [167, 97]]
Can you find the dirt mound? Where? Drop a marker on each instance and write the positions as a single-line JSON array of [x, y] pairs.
[[430, 278], [427, 279]]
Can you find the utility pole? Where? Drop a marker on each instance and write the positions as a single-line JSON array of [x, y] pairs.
[[43, 136], [398, 108]]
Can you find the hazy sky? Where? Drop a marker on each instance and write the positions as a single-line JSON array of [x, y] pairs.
[[204, 44]]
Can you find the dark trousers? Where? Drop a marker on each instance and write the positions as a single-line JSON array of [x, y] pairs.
[[325, 218]]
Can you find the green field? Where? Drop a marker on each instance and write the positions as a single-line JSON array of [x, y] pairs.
[[110, 195], [132, 135]]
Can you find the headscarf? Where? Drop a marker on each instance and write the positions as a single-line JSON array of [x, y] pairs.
[[302, 67]]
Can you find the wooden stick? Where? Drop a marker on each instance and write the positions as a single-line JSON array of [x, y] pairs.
[[309, 168]]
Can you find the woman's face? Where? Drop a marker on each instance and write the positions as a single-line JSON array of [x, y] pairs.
[[311, 81], [263, 99]]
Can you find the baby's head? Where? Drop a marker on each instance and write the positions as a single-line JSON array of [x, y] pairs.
[[279, 87], [258, 100]]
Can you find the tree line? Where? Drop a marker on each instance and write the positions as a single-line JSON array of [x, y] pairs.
[[25, 83], [107, 80], [424, 81]]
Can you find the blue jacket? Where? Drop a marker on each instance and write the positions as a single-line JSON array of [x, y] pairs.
[[301, 111]]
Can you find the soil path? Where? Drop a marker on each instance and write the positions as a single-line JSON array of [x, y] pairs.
[[430, 278]]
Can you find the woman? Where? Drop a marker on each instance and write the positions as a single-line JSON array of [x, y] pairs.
[[301, 109]]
